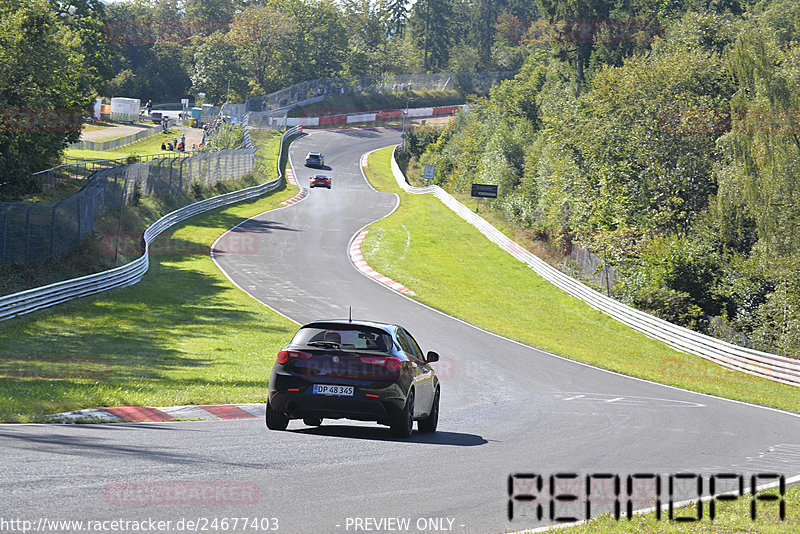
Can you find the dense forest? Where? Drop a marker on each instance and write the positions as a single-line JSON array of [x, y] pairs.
[[53, 62], [166, 50], [664, 134], [672, 151], [56, 56]]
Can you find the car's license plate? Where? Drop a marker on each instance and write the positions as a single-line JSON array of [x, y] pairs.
[[326, 389]]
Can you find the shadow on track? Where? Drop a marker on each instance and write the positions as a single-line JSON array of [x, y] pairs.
[[383, 434]]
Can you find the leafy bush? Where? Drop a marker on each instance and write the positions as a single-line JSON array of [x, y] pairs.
[[227, 136], [673, 306]]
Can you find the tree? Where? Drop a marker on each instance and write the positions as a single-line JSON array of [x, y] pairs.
[[434, 24], [763, 147], [571, 26], [317, 46], [258, 35], [368, 36], [395, 17], [216, 63], [86, 18], [45, 84], [153, 42], [124, 83], [210, 10]]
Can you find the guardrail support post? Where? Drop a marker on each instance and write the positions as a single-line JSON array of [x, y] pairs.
[[171, 164], [53, 229], [158, 173], [80, 222], [5, 235], [180, 173], [28, 232]]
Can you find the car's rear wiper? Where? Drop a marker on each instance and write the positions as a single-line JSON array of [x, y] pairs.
[[328, 344]]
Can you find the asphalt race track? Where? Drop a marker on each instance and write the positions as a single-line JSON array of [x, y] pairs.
[[506, 408]]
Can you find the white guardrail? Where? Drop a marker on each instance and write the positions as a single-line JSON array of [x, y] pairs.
[[125, 275], [762, 364]]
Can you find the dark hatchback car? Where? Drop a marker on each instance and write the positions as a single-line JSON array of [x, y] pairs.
[[354, 370], [320, 180], [315, 159]]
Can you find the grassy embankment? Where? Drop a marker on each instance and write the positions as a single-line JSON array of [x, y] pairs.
[[183, 335], [142, 147], [97, 252], [447, 259]]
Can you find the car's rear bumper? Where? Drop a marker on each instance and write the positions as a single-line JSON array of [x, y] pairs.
[[388, 399]]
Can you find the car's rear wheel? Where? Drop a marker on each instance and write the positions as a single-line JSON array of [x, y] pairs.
[[403, 423], [312, 421], [276, 420], [430, 423]]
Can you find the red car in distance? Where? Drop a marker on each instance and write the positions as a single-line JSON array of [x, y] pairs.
[[320, 180]]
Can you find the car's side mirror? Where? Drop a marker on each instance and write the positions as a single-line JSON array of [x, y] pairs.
[[431, 357]]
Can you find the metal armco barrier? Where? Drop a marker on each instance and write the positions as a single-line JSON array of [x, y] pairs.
[[42, 297], [266, 120], [304, 91], [762, 364]]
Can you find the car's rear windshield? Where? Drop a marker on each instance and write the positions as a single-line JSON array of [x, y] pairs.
[[344, 337]]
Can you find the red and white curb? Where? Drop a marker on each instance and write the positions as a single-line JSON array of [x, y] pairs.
[[361, 265], [290, 176], [139, 414], [299, 196], [364, 160]]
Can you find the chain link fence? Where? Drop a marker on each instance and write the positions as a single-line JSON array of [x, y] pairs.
[[81, 170], [37, 231], [111, 144], [466, 82], [593, 267]]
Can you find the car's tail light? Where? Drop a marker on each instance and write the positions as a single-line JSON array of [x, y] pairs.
[[376, 360], [391, 364], [286, 355]]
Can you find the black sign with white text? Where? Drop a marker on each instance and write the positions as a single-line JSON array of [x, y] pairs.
[[484, 190]]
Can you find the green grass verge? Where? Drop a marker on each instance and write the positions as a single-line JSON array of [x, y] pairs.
[[428, 248], [143, 147], [730, 517], [268, 143], [183, 335]]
